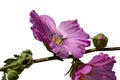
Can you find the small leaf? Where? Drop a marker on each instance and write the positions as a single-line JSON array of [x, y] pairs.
[[16, 56], [9, 61]]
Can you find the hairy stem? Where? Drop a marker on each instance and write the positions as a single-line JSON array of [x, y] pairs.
[[57, 58]]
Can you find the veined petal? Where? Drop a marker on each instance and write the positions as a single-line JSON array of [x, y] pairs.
[[76, 49], [43, 23], [71, 29], [39, 36], [80, 41], [105, 62], [59, 50], [98, 58]]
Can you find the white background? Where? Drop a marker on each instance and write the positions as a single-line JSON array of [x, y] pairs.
[[94, 16]]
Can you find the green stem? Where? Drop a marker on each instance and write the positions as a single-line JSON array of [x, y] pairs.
[[8, 66], [103, 49], [70, 56], [57, 58]]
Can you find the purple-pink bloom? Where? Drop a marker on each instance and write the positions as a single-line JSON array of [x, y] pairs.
[[69, 37], [99, 68]]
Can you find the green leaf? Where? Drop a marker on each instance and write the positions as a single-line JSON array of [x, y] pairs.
[[9, 61]]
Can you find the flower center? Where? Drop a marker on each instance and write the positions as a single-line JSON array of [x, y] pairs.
[[58, 39], [82, 77]]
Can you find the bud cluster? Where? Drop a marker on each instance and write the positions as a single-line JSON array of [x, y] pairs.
[[19, 63]]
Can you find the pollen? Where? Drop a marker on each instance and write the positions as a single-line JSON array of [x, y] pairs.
[[82, 77]]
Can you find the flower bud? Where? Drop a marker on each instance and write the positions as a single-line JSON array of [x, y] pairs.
[[100, 41], [25, 59], [12, 75]]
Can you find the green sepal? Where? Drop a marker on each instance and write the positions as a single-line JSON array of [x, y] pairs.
[[75, 66], [47, 47]]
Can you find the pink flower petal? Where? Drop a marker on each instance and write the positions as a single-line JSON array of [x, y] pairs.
[[71, 29], [43, 23], [101, 59], [69, 36], [75, 48], [59, 50], [103, 70], [86, 69]]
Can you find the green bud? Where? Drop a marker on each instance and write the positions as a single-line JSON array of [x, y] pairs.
[[100, 41], [12, 75], [25, 59]]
